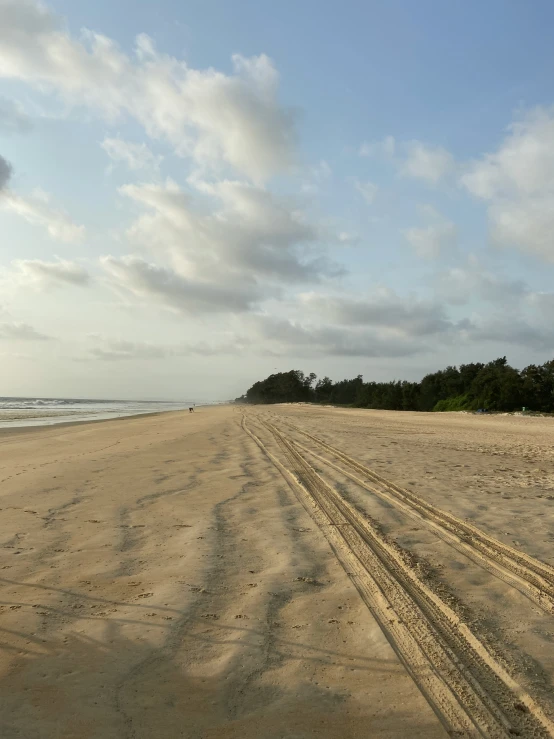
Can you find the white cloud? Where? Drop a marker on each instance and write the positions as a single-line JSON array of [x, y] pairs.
[[317, 176], [413, 158], [518, 183], [523, 165], [236, 231], [348, 238], [386, 147], [527, 224], [427, 163], [21, 332], [35, 209], [433, 240], [368, 190], [40, 274], [13, 118], [135, 156], [211, 116]]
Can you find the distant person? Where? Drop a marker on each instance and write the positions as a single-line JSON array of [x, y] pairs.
[[191, 410]]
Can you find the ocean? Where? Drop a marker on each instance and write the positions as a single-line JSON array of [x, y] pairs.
[[46, 411]]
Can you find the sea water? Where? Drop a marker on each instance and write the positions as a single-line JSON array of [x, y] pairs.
[[45, 411]]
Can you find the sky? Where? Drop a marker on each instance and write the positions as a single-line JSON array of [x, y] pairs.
[[194, 195]]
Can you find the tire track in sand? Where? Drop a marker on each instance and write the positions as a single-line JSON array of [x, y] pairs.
[[471, 693], [533, 578]]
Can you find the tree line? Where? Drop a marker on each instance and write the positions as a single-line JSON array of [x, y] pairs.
[[494, 386]]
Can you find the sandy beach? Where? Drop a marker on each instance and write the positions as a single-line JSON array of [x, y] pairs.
[[278, 571]]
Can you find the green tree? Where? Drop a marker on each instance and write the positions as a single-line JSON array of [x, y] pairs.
[[323, 390], [495, 386]]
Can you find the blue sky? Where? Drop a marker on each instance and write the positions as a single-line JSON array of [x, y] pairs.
[[340, 187]]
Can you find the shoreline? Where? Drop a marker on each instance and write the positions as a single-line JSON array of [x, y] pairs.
[[5, 430], [59, 424]]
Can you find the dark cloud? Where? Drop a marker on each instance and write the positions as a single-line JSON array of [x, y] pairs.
[[282, 336], [6, 171], [166, 286], [21, 332], [47, 274], [512, 329], [383, 310], [459, 285]]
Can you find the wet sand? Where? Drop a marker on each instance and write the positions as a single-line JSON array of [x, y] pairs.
[[180, 575]]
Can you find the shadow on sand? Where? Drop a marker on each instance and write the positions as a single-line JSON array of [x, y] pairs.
[[63, 684]]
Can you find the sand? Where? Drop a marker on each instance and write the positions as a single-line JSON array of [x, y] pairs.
[[283, 571]]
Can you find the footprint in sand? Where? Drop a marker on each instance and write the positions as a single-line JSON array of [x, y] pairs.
[[307, 580]]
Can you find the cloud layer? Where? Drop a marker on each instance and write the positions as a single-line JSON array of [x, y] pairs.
[[241, 258]]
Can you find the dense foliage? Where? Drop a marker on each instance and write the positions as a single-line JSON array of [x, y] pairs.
[[494, 386]]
